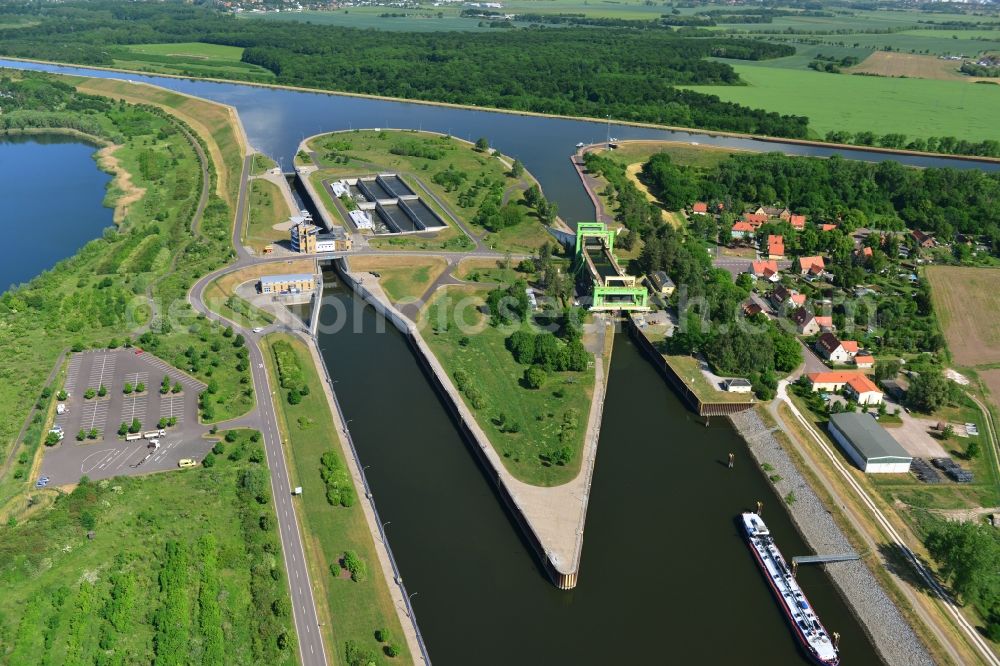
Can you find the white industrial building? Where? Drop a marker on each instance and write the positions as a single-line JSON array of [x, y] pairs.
[[868, 445]]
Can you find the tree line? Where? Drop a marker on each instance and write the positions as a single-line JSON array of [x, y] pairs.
[[629, 74]]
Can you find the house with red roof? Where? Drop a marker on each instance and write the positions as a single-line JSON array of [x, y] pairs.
[[756, 219], [856, 385], [700, 208], [825, 323], [811, 265], [742, 230], [864, 361], [798, 222], [765, 269], [924, 240], [827, 227], [775, 246]]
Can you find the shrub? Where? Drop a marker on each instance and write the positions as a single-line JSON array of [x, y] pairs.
[[218, 449], [209, 460], [534, 377], [89, 394], [126, 388], [294, 397], [354, 564], [391, 650], [51, 439]]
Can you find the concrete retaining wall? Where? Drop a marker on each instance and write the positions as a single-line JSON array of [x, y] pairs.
[[562, 580]]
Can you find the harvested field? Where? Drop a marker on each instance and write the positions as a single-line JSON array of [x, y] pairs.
[[889, 63], [992, 380], [968, 306]]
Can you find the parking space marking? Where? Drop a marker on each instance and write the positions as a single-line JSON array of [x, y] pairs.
[[172, 406], [95, 414], [72, 370]]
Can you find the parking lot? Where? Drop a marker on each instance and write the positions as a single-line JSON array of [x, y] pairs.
[[109, 454]]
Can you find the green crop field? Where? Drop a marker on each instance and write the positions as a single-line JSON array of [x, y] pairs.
[[915, 107], [180, 569], [189, 58]]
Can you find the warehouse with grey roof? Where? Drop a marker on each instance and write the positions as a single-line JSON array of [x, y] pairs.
[[868, 445]]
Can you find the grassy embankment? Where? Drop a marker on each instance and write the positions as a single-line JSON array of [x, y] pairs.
[[190, 59], [368, 152], [332, 520], [402, 277], [179, 571], [489, 270], [523, 424], [267, 209], [688, 369]]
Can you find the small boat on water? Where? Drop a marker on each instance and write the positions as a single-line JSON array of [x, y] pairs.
[[580, 144], [812, 636]]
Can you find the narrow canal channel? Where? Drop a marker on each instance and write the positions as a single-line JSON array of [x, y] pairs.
[[665, 576]]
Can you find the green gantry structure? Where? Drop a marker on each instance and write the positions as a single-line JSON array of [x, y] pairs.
[[618, 291]]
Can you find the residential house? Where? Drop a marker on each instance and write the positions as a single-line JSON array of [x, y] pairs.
[[835, 350], [805, 322], [752, 309], [865, 253], [755, 219], [663, 284], [770, 211], [798, 222], [811, 265], [700, 208], [825, 323], [775, 246], [782, 296], [923, 240], [742, 230], [827, 227], [864, 361], [857, 385], [767, 270]]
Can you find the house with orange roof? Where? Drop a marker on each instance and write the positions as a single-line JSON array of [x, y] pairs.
[[742, 230], [765, 269], [798, 222], [775, 246], [700, 208], [827, 227], [825, 323], [756, 219], [856, 385], [797, 299], [864, 361], [811, 265]]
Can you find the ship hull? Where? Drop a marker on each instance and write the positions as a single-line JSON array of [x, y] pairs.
[[800, 637]]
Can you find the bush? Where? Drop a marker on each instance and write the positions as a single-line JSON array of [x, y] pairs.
[[218, 449], [126, 388], [89, 394], [294, 397], [209, 460], [140, 388], [534, 377], [51, 439], [354, 564], [391, 650]]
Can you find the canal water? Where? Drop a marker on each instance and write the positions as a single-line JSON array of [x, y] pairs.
[[51, 191], [277, 120], [665, 577]]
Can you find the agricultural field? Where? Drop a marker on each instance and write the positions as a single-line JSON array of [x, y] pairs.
[[189, 59], [968, 306], [891, 63], [179, 570], [914, 107], [447, 170], [523, 424], [402, 277], [333, 522]]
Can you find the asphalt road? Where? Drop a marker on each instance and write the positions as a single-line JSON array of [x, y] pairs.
[[263, 418]]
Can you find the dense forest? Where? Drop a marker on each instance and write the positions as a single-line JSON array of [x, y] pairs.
[[628, 74]]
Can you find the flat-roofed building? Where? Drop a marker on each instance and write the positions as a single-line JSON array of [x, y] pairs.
[[868, 445], [293, 283], [310, 239]]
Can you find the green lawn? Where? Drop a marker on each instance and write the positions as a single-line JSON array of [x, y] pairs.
[[548, 418], [267, 208], [367, 152], [402, 277], [179, 570], [349, 610], [189, 58], [915, 107]]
